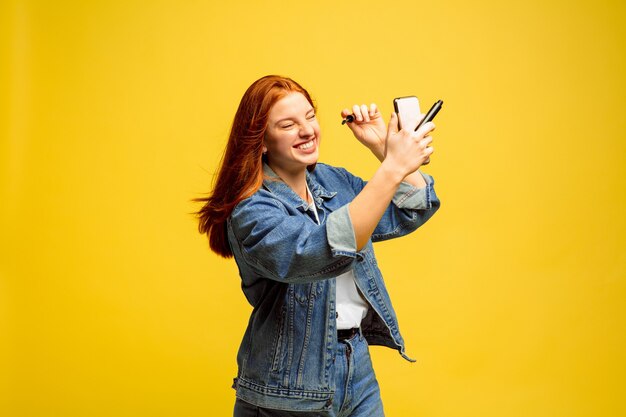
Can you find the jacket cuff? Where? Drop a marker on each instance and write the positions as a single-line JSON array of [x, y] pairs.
[[410, 197], [341, 233]]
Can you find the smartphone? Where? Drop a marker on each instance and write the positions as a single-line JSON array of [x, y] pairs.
[[408, 110]]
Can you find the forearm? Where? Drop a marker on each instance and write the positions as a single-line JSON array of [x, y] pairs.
[[370, 204]]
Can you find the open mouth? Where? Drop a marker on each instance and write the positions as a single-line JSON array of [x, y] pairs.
[[306, 145]]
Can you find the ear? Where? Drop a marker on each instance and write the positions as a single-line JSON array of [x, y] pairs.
[[264, 149]]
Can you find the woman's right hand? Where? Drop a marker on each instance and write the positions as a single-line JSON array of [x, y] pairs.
[[407, 150]]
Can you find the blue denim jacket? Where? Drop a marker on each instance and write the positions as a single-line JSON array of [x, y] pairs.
[[288, 263]]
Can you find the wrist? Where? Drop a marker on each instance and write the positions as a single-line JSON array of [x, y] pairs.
[[392, 173], [379, 152]]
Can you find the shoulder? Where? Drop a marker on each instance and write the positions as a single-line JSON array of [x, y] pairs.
[[260, 210], [261, 200]]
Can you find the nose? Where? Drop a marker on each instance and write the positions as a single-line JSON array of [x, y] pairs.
[[306, 130]]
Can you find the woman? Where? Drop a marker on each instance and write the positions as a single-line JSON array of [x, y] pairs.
[[301, 233]]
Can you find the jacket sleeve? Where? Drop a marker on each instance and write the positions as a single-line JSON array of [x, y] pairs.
[[282, 245], [410, 208]]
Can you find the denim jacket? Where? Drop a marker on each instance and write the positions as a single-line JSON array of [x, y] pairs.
[[287, 263]]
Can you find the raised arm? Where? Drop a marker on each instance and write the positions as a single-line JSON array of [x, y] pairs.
[[402, 153]]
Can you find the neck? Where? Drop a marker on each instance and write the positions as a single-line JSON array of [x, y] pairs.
[[296, 180]]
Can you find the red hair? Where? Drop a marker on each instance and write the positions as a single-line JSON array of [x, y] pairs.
[[241, 168]]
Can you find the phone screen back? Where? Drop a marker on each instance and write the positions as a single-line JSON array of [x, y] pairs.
[[408, 109]]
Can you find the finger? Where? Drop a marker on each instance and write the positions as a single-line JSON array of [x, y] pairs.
[[426, 141], [356, 110], [428, 151], [365, 112], [345, 112], [393, 124], [425, 129], [373, 110]]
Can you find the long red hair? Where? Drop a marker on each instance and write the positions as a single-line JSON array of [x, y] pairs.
[[241, 168]]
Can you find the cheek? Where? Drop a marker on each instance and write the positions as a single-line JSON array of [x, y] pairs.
[[274, 139], [317, 130], [280, 141]]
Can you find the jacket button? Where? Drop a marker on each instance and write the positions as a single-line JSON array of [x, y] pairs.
[[336, 315]]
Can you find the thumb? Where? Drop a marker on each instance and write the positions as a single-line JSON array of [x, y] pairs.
[[393, 124]]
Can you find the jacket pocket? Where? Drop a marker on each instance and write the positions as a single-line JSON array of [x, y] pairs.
[[305, 292]]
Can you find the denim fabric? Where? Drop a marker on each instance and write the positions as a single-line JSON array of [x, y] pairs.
[[356, 389], [287, 263]]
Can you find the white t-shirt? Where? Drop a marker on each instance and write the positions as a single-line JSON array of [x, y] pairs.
[[351, 307]]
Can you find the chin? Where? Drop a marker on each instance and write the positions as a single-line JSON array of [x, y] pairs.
[[311, 161]]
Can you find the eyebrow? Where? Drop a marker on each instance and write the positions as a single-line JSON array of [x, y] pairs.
[[291, 118]]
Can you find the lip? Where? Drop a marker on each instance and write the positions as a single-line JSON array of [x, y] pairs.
[[309, 150]]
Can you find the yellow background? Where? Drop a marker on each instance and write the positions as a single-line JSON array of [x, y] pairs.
[[114, 115]]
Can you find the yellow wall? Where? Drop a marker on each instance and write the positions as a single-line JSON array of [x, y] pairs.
[[114, 115]]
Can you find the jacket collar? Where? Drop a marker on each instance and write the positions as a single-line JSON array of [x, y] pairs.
[[275, 185]]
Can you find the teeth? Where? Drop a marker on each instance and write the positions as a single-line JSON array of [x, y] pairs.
[[307, 145]]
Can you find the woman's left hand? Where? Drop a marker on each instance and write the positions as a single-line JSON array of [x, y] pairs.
[[368, 127]]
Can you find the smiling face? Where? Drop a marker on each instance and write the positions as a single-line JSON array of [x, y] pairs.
[[293, 135]]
